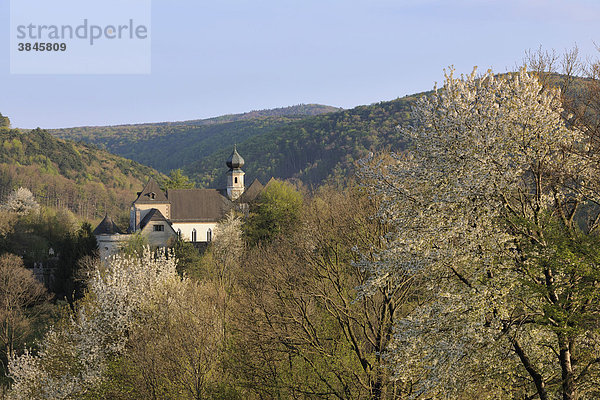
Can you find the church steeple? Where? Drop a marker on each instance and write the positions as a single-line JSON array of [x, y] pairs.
[[235, 176]]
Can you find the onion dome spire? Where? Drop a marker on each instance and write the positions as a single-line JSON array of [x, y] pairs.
[[235, 161]]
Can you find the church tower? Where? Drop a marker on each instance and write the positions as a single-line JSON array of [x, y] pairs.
[[235, 176]]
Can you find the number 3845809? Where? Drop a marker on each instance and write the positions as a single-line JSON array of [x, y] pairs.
[[42, 46]]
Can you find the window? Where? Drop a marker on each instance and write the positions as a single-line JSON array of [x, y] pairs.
[[236, 179], [194, 235], [209, 235], [152, 195], [179, 233], [159, 228]]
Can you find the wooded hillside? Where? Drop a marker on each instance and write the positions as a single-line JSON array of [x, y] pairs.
[[84, 179]]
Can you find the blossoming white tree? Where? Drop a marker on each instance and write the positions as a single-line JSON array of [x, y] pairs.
[[495, 205], [21, 201], [74, 354]]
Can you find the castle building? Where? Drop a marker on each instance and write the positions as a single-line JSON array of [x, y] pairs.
[[189, 214]]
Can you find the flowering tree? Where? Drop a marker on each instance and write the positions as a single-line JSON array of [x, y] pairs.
[[496, 207], [74, 354], [21, 201]]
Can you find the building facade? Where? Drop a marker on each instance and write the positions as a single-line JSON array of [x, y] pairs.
[[163, 217]]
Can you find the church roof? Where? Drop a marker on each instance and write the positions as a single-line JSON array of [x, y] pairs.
[[151, 194], [153, 215], [235, 161], [197, 205], [251, 193], [107, 227]]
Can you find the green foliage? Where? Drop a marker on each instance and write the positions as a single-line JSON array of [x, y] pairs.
[[189, 259], [168, 146], [53, 239], [4, 122], [308, 146], [134, 246], [313, 148], [72, 251], [177, 180], [63, 174], [33, 235], [276, 211], [573, 257]]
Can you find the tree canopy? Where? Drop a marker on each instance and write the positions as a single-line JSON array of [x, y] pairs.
[[4, 121], [177, 180], [275, 211], [496, 207]]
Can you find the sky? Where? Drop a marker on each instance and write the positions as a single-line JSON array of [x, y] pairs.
[[210, 58]]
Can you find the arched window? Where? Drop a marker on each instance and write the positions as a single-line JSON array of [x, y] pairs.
[[194, 235], [209, 235], [236, 179]]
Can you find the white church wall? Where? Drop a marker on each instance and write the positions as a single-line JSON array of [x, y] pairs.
[[201, 230]]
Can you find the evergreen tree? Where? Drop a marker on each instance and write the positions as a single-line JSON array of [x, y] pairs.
[[177, 180]]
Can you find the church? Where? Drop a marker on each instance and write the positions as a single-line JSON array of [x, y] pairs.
[[189, 214]]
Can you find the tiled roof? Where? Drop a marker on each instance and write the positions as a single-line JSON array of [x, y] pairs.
[[197, 205]]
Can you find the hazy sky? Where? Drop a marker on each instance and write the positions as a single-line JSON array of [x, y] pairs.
[[217, 57]]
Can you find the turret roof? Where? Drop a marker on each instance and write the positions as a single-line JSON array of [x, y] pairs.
[[235, 161], [107, 227]]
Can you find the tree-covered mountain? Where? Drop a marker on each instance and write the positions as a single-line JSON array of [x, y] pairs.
[[167, 147], [314, 148], [170, 145], [285, 143], [60, 173]]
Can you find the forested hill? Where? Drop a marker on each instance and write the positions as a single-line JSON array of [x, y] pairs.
[[284, 143], [171, 145], [60, 173], [313, 148]]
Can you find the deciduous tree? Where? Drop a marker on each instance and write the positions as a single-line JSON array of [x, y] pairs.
[[495, 208], [307, 326], [274, 212], [19, 293]]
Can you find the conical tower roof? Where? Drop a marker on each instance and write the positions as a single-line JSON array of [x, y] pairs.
[[235, 161], [107, 227]]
